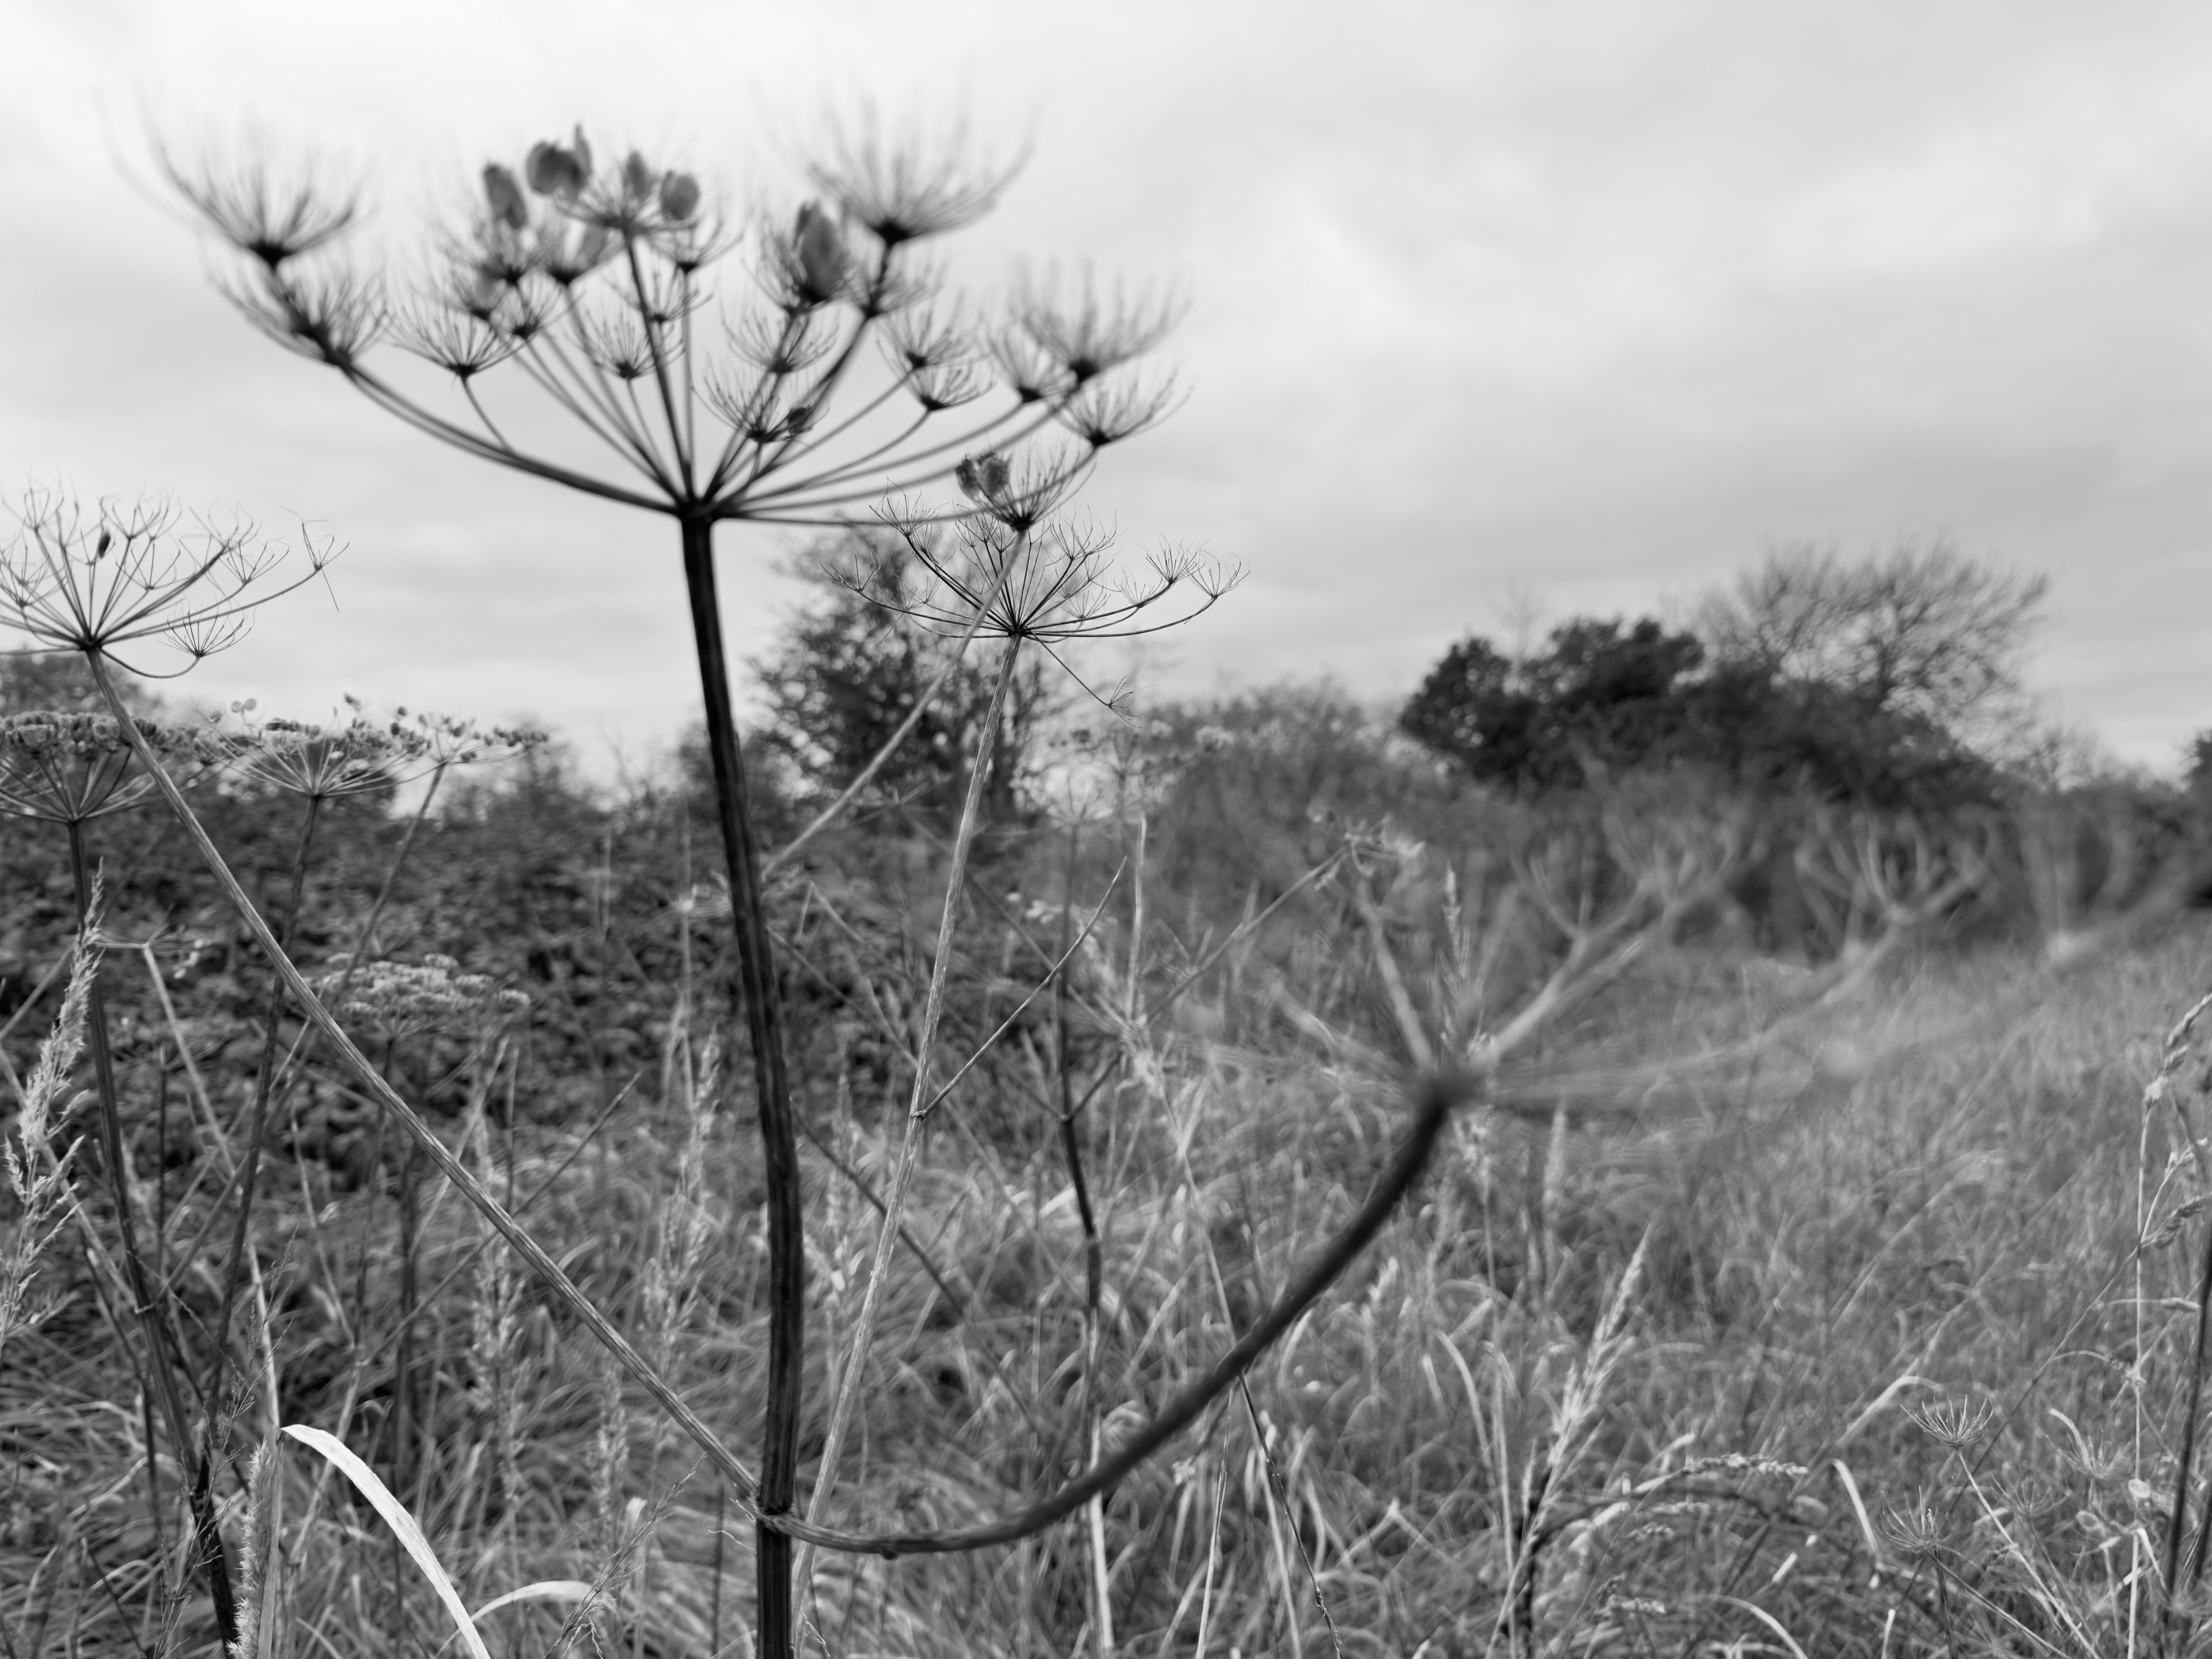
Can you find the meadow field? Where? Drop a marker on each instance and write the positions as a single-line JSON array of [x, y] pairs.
[[1853, 1307], [1684, 1136]]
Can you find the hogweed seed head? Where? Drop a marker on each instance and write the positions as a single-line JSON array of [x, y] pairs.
[[1955, 1423], [679, 197], [402, 999], [459, 339], [982, 478], [1107, 412], [359, 753], [327, 317], [903, 186], [1048, 583], [1087, 330], [504, 195], [557, 171], [273, 220], [121, 573], [62, 767], [1914, 1534], [593, 276], [818, 249]]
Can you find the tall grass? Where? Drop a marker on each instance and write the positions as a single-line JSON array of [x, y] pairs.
[[1853, 1312], [1417, 1251]]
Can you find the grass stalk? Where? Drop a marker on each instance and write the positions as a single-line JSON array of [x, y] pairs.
[[163, 1354], [258, 1130], [909, 1153]]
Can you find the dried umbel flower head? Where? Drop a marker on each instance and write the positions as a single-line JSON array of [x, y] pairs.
[[818, 260], [1086, 330], [1046, 582], [274, 219], [1955, 1423], [68, 767], [1914, 1533], [118, 574], [587, 274], [357, 752], [560, 170], [903, 186], [401, 999], [454, 741], [504, 193], [983, 478]]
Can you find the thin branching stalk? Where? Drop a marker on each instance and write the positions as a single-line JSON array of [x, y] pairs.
[[853, 790], [410, 1122], [303, 1046], [256, 1133], [909, 1154], [164, 1356]]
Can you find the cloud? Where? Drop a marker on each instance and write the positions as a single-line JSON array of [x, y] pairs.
[[1583, 300]]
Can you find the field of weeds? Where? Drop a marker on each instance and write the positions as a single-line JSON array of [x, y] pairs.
[[1665, 1146], [1750, 1309]]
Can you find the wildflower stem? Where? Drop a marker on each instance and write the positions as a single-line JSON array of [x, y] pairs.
[[264, 1077], [887, 1232], [164, 1358], [2187, 1459], [763, 1007], [851, 793]]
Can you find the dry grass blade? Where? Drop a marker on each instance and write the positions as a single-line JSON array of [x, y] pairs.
[[404, 1526]]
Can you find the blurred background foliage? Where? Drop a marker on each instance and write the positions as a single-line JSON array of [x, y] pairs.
[[1815, 687]]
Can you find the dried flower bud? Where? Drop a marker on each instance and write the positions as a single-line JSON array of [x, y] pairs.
[[637, 177], [553, 171], [679, 197], [487, 287], [505, 197], [821, 251], [982, 478]]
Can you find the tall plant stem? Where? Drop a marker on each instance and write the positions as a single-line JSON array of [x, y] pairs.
[[164, 1358], [887, 1233], [264, 1077], [779, 1124]]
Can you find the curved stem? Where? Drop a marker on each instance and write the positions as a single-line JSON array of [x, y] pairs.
[[1434, 1098]]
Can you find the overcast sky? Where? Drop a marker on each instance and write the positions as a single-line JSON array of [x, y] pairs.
[[1491, 306]]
